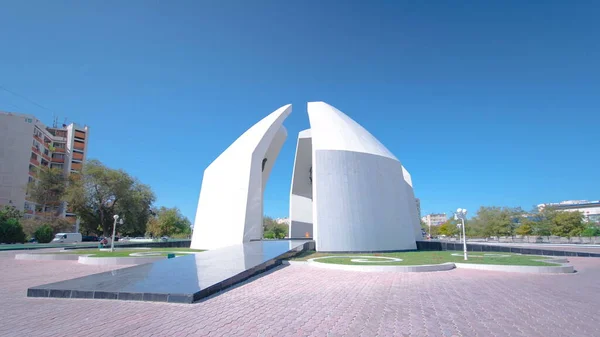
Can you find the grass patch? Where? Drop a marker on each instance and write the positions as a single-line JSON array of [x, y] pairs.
[[421, 258], [120, 252]]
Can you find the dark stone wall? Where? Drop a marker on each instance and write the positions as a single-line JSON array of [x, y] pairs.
[[473, 247]]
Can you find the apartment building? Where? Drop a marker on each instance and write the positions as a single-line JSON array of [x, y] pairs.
[[26, 145], [434, 219], [590, 209]]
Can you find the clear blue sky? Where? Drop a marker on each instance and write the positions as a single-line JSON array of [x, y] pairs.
[[485, 103]]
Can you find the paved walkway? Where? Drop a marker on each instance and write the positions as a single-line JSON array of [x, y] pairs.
[[302, 301]]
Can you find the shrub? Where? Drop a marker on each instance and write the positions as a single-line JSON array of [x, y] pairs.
[[44, 234], [11, 231], [591, 231]]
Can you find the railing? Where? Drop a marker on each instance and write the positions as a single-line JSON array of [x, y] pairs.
[[78, 156], [80, 134], [58, 160], [76, 166], [34, 162], [59, 149], [34, 149], [79, 146]]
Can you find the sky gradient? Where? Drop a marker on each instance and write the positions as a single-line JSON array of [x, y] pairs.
[[485, 103]]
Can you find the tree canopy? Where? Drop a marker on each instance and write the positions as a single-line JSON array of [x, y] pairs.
[[274, 230], [49, 189], [100, 192], [168, 221]]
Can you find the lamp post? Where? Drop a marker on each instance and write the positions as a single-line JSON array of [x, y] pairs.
[[112, 241], [429, 229], [462, 214]]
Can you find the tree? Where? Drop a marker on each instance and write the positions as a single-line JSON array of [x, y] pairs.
[[57, 224], [498, 221], [11, 230], [591, 230], [568, 224], [525, 229], [274, 230], [44, 234], [168, 221], [49, 189], [448, 228], [100, 192]]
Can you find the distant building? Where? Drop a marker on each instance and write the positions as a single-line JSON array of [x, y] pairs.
[[26, 145], [590, 209], [283, 221], [434, 219]]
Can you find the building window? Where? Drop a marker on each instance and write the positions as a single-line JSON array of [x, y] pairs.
[[33, 156], [46, 152]]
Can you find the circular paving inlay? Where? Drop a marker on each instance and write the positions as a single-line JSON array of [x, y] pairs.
[[484, 255]]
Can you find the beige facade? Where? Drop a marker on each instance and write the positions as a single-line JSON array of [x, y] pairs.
[[434, 219], [26, 145]]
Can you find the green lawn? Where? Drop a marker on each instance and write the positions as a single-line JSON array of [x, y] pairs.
[[127, 252], [420, 258]]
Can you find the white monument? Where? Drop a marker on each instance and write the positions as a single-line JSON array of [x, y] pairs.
[[348, 191]]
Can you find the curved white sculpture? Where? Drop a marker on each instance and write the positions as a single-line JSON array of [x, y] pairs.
[[230, 207], [362, 197]]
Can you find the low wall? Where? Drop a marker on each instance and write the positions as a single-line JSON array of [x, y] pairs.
[[538, 239], [167, 244], [474, 247]]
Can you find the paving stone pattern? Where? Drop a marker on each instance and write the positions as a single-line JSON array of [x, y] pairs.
[[299, 300]]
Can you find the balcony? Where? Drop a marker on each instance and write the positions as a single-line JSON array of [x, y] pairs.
[[77, 156], [34, 149], [38, 139], [34, 162], [59, 150], [79, 134], [76, 166], [33, 174], [79, 146], [46, 157], [58, 160]]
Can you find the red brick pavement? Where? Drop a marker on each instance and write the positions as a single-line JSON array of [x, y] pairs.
[[298, 300]]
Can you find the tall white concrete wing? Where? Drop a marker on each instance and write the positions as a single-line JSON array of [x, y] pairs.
[[301, 194], [360, 200], [414, 214], [230, 207]]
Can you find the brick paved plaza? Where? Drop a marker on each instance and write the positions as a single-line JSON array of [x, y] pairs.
[[301, 301]]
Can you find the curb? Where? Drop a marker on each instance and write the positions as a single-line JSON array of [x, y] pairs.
[[117, 261], [397, 269], [46, 257], [563, 268], [84, 259]]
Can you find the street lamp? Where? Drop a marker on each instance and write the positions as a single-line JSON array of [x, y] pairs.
[[112, 242], [462, 214]]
